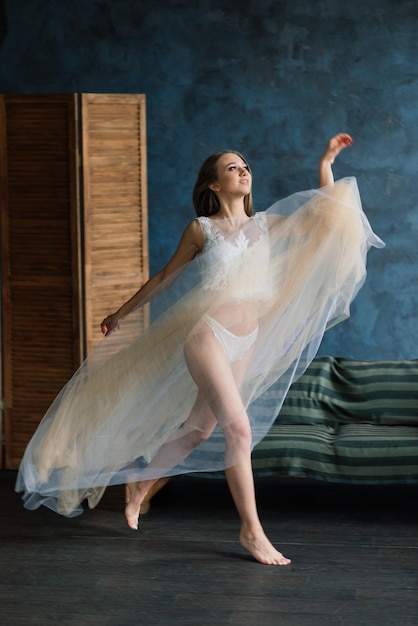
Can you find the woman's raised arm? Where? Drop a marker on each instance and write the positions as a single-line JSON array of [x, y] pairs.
[[332, 150]]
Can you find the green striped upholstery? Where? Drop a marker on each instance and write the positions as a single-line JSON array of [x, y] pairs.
[[347, 421]]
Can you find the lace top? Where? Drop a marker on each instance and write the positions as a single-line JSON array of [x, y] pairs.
[[235, 255]]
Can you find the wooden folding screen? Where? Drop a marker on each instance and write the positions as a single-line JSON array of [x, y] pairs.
[[73, 237]]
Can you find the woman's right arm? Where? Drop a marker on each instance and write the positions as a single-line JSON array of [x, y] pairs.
[[190, 244]]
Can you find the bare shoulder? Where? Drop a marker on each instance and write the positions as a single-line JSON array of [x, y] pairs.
[[193, 235]]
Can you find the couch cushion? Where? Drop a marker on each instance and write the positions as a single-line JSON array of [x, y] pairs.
[[336, 390], [352, 453]]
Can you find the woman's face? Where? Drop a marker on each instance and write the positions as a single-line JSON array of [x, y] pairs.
[[234, 176]]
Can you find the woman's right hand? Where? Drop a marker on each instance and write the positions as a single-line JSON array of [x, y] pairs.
[[109, 324]]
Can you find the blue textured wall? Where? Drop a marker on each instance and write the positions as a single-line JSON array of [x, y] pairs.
[[272, 78]]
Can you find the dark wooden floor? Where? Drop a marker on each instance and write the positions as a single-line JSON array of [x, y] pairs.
[[354, 551]]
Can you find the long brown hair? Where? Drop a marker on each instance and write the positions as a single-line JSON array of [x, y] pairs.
[[205, 200]]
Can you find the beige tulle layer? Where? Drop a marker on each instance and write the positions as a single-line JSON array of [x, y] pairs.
[[134, 393]]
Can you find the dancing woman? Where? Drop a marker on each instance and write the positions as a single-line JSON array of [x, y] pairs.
[[237, 314]]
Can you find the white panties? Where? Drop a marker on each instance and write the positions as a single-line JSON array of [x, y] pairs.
[[234, 346]]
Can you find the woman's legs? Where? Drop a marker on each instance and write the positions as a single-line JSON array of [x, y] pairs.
[[218, 380]]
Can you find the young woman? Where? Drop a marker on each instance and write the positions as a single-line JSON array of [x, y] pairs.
[[237, 314]]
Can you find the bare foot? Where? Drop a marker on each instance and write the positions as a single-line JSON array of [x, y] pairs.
[[132, 509], [259, 546]]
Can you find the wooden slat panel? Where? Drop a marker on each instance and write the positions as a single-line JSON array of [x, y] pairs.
[[41, 286], [115, 204], [3, 252]]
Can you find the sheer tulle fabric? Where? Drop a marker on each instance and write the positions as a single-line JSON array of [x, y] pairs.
[[132, 410]]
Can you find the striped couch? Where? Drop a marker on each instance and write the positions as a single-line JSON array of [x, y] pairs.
[[347, 421], [343, 421]]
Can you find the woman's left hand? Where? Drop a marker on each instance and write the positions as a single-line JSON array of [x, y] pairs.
[[335, 145]]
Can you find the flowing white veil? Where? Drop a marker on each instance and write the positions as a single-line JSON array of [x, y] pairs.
[[134, 393]]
